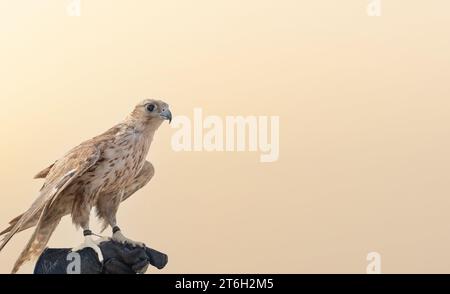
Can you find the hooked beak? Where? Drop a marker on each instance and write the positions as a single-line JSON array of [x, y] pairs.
[[166, 114]]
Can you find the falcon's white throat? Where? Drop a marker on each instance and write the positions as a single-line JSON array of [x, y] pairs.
[[231, 133]]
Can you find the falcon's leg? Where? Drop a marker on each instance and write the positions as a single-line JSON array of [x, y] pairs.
[[107, 206], [89, 242], [117, 234], [80, 216]]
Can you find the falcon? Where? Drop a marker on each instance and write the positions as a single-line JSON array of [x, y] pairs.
[[101, 172]]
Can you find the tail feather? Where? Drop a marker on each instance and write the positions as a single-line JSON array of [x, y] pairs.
[[30, 223], [16, 219], [6, 230], [12, 223], [19, 223], [37, 242], [36, 211]]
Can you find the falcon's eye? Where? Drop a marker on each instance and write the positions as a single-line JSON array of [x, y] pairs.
[[150, 107]]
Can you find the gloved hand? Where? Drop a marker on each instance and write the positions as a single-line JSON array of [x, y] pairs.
[[118, 259]]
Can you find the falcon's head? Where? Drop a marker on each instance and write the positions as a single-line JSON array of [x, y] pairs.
[[152, 111]]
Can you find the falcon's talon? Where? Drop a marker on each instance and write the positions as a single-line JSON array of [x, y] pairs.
[[90, 243], [120, 238]]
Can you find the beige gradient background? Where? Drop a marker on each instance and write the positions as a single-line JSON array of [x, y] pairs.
[[364, 110]]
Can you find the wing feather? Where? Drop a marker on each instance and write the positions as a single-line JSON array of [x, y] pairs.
[[63, 173], [43, 173]]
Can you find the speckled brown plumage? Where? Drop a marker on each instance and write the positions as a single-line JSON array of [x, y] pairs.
[[100, 173]]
